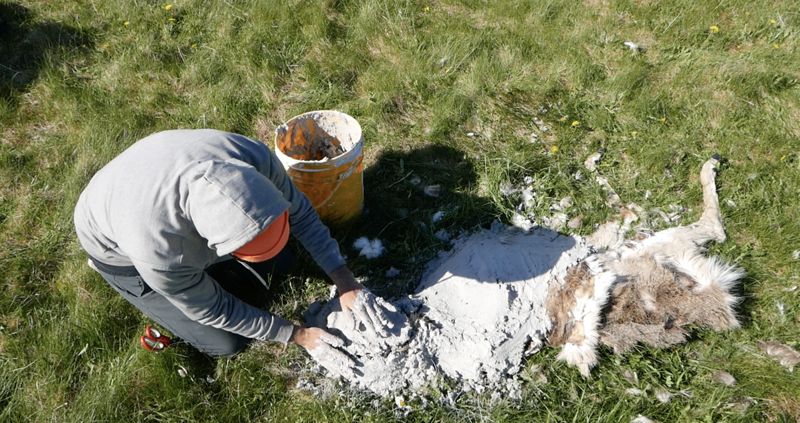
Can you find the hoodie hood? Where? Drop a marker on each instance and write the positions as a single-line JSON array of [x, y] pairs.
[[230, 202]]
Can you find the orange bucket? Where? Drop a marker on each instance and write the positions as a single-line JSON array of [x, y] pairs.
[[322, 152]]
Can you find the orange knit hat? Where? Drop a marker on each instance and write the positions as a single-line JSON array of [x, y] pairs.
[[268, 243]]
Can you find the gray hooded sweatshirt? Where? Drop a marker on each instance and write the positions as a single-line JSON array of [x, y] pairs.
[[178, 201]]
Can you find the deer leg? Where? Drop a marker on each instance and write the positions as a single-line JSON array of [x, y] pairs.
[[711, 220], [675, 242]]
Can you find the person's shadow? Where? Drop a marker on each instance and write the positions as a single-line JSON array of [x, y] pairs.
[[24, 47]]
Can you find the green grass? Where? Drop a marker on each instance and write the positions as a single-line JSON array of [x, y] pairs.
[[82, 80]]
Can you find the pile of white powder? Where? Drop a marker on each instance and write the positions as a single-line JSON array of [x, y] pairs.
[[478, 311]]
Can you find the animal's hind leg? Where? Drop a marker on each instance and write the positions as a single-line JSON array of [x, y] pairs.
[[675, 242], [709, 227], [711, 220]]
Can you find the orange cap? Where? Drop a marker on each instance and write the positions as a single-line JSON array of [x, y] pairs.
[[268, 243]]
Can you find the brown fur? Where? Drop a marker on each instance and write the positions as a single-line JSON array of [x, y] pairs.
[[624, 336], [578, 282], [653, 304]]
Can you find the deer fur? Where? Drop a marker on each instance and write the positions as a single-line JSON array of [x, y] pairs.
[[650, 291]]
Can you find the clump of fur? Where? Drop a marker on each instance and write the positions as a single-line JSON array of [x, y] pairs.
[[655, 303], [561, 301], [575, 308]]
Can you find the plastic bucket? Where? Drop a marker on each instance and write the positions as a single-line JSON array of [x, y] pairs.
[[322, 151]]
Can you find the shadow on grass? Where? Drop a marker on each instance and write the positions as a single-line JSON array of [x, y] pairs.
[[399, 213], [402, 209], [24, 46], [745, 291]]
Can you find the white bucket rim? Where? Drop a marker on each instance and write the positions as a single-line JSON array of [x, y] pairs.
[[346, 157]]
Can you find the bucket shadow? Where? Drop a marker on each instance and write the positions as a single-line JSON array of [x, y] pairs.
[[24, 46], [413, 223], [406, 218]]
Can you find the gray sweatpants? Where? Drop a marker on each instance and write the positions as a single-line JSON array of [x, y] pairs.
[[230, 275]]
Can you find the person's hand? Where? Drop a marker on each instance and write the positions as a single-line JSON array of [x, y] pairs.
[[324, 348], [374, 313], [371, 311], [313, 338]]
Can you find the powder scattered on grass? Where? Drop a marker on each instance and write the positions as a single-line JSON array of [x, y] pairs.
[[477, 313]]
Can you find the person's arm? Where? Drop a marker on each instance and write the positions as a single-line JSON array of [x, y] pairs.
[[305, 223], [316, 238], [344, 280]]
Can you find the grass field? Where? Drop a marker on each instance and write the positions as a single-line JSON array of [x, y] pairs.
[[82, 80]]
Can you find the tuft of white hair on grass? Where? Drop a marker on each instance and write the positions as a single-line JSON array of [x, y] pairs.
[[507, 189], [591, 162], [663, 396], [724, 378], [522, 222], [556, 221], [787, 356], [528, 198], [433, 190], [631, 45], [634, 392], [369, 248], [630, 376]]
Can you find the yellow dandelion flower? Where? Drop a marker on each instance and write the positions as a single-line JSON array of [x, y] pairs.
[[776, 45], [562, 119], [713, 29], [634, 134], [553, 149], [168, 7], [663, 120], [126, 23], [194, 46], [427, 9], [773, 22], [576, 123]]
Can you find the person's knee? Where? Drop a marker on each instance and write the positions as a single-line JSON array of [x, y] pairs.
[[226, 347]]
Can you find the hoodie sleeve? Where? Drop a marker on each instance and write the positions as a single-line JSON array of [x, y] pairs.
[[200, 298], [306, 225]]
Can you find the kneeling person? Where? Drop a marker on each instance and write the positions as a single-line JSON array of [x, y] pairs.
[[156, 217]]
